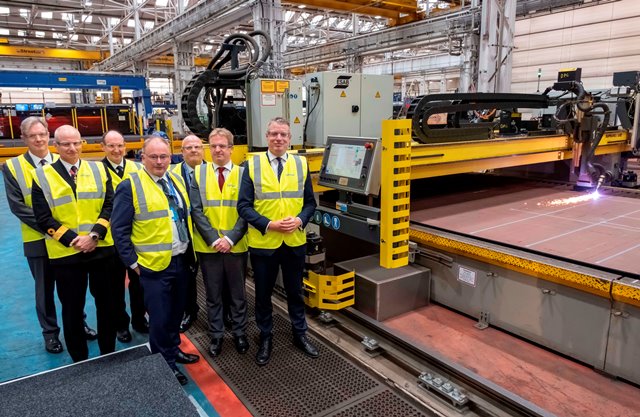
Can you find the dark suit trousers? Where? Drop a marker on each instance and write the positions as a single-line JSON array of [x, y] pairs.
[[136, 300], [265, 272], [191, 306], [44, 289], [72, 280], [221, 270], [164, 296]]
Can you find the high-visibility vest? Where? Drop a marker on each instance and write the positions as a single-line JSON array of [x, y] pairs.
[[220, 207], [129, 167], [177, 169], [152, 233], [23, 172], [77, 212], [277, 199]]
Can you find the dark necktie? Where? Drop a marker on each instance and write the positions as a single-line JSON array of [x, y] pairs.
[[73, 172], [43, 162], [176, 210], [220, 177], [119, 171], [279, 167]]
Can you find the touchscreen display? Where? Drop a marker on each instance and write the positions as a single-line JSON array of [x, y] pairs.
[[345, 160]]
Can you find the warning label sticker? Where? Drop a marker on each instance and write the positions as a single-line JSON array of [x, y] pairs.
[[343, 94], [296, 120], [377, 94]]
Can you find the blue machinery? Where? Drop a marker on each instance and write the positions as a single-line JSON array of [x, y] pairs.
[[83, 80]]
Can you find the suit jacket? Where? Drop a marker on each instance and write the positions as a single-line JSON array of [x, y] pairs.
[[207, 230], [184, 171], [260, 222], [23, 212], [122, 219], [46, 221]]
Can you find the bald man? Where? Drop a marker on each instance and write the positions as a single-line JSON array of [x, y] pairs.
[[72, 202], [115, 148], [193, 155]]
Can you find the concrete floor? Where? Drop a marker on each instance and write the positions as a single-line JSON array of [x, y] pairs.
[[22, 350]]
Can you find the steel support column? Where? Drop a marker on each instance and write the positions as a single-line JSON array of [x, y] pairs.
[[183, 65], [496, 45]]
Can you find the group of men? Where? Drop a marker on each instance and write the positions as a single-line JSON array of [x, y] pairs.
[[157, 228]]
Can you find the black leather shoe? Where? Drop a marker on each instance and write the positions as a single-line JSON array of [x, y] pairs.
[[264, 351], [242, 344], [53, 345], [124, 335], [141, 327], [89, 333], [186, 358], [180, 377], [187, 321], [215, 348], [302, 342]]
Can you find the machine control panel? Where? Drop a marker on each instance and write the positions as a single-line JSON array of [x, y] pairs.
[[352, 164]]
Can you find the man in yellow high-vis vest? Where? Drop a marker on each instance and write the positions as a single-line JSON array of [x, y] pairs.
[[114, 148], [221, 244], [18, 177], [193, 156], [72, 201], [152, 231], [276, 199]]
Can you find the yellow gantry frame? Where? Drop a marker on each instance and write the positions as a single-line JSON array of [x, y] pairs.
[[395, 198], [460, 157]]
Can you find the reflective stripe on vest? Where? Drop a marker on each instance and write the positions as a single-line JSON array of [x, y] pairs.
[[79, 213], [219, 206], [276, 199], [23, 173], [152, 234], [257, 182], [129, 167]]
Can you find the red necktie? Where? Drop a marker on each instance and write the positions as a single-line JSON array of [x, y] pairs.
[[221, 177], [73, 171]]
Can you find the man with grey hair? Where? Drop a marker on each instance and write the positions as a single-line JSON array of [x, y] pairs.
[[193, 156], [18, 178], [152, 227], [72, 201]]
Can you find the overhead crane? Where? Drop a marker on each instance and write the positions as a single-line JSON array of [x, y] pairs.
[[397, 11], [87, 57]]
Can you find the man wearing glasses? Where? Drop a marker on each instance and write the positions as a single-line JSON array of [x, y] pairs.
[[114, 147], [193, 155], [152, 227], [221, 245], [72, 202], [18, 178], [276, 199]]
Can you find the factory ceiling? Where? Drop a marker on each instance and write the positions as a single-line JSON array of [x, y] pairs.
[[113, 26]]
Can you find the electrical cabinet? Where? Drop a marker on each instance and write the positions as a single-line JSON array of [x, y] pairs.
[[270, 98], [340, 104]]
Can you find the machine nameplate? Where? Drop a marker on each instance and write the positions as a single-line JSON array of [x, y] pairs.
[[343, 181], [268, 99], [467, 276]]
